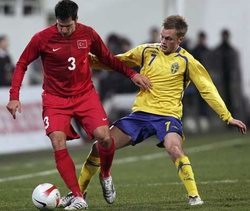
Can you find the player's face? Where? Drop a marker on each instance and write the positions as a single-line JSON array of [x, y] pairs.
[[66, 27], [169, 40]]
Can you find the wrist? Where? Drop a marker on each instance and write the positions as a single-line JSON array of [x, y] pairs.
[[229, 120], [133, 74]]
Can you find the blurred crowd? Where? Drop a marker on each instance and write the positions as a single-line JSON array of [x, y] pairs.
[[222, 63], [6, 65]]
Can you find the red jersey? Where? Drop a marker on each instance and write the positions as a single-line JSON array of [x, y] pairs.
[[65, 61]]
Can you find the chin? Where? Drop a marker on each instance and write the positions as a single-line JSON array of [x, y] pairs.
[[166, 52], [65, 35]]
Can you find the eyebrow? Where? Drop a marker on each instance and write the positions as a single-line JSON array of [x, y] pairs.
[[62, 25], [166, 37]]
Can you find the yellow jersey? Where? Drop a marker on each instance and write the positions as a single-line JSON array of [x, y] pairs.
[[170, 75]]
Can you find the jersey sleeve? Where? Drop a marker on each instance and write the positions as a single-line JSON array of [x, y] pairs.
[[99, 49], [133, 57], [95, 64], [200, 77], [30, 53]]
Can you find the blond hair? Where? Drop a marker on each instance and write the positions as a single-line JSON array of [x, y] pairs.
[[176, 22]]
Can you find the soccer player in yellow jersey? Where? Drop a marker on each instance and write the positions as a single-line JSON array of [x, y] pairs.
[[158, 111]]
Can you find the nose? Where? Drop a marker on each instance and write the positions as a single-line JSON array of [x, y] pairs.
[[163, 40], [64, 30]]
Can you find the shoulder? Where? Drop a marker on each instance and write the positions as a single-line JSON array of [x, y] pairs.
[[46, 33], [87, 32], [152, 47], [155, 46], [49, 30], [192, 62], [84, 28], [184, 53]]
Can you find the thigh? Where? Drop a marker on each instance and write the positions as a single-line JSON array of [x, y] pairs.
[[57, 116], [90, 113], [137, 126], [165, 125], [121, 139]]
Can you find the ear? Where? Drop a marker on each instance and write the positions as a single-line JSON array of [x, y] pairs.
[[180, 39]]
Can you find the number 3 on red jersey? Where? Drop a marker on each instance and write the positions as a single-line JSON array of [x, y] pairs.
[[72, 62]]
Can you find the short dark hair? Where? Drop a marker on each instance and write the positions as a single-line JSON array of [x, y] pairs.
[[65, 9], [176, 22]]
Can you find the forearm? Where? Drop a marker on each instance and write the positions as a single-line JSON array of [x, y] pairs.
[[118, 66], [97, 65], [214, 100], [17, 81]]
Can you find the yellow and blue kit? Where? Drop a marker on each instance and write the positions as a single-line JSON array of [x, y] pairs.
[[158, 111], [170, 75]]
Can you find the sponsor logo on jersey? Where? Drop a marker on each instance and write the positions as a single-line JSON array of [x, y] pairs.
[[55, 49], [174, 67]]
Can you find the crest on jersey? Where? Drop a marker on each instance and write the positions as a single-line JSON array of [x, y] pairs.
[[82, 44], [174, 67]]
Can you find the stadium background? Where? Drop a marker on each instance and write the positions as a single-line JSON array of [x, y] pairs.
[[133, 18]]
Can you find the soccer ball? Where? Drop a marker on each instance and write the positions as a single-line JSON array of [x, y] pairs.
[[46, 196]]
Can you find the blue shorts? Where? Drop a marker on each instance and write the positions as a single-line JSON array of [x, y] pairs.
[[141, 125]]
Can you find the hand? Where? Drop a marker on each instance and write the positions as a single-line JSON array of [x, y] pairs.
[[241, 126], [141, 81], [14, 106]]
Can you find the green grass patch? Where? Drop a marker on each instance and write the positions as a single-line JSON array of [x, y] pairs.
[[148, 181]]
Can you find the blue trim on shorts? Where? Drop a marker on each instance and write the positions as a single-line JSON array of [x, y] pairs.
[[142, 125]]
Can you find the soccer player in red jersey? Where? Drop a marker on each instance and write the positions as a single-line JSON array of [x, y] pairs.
[[69, 91]]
